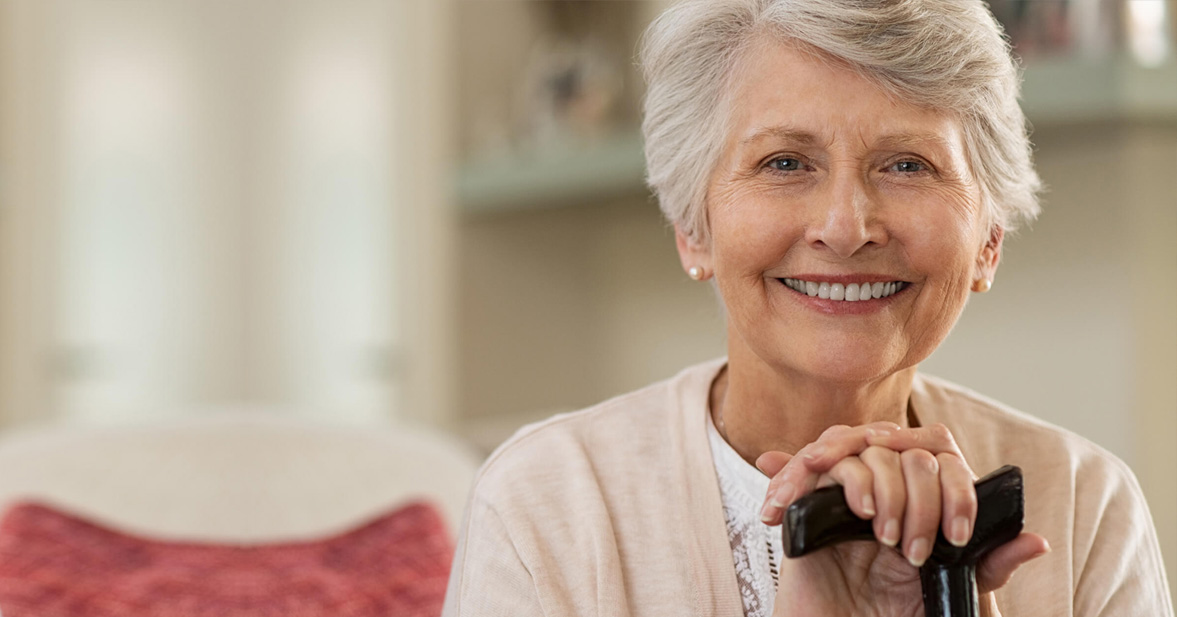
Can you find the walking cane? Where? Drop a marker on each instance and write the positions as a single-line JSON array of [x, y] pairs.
[[949, 576]]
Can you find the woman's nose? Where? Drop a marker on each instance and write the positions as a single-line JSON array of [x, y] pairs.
[[845, 218]]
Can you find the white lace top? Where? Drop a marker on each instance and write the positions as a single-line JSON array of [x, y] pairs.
[[756, 547]]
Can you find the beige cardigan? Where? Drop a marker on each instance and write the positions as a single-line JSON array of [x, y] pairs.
[[615, 511]]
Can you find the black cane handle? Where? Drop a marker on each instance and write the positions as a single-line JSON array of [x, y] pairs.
[[948, 577]]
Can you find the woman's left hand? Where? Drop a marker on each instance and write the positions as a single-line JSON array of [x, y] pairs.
[[911, 483]]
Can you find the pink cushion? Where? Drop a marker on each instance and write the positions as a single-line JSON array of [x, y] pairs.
[[54, 564]]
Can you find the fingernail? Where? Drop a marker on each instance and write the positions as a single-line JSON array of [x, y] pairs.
[[766, 513], [815, 453], [782, 496], [868, 505], [917, 553], [890, 533], [959, 532]]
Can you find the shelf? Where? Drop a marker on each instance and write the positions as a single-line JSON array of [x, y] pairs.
[[1056, 92], [1068, 91], [555, 176]]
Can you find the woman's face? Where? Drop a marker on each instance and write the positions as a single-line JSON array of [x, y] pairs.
[[827, 182]]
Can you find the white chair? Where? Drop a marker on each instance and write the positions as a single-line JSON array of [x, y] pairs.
[[235, 477]]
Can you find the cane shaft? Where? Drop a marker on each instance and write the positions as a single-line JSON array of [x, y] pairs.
[[949, 591]]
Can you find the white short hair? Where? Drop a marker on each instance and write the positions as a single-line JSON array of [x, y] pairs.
[[948, 55]]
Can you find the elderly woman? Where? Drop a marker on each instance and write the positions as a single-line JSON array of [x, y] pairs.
[[845, 172]]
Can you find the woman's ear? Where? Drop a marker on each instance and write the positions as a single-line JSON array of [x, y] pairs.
[[990, 254], [694, 256]]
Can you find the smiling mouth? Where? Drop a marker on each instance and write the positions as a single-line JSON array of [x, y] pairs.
[[853, 292]]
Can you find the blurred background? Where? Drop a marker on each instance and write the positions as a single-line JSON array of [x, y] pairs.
[[431, 212]]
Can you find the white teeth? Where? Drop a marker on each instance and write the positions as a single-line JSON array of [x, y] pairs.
[[854, 292]]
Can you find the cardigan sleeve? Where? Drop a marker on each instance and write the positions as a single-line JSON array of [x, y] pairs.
[[1118, 566], [488, 578]]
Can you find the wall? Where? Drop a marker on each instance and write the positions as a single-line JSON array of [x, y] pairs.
[[562, 308], [199, 207], [27, 181]]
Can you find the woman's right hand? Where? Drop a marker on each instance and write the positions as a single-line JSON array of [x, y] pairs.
[[911, 483]]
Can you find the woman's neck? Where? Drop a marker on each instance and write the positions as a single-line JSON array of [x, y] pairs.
[[759, 410]]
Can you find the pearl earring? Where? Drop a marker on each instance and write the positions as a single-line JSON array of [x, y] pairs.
[[695, 272], [982, 285]]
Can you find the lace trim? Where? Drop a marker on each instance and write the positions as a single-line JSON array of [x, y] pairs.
[[742, 488]]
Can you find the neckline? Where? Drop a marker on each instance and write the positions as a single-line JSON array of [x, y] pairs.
[[750, 482]]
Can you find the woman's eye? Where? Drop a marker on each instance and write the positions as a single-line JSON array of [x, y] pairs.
[[909, 167], [786, 164]]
